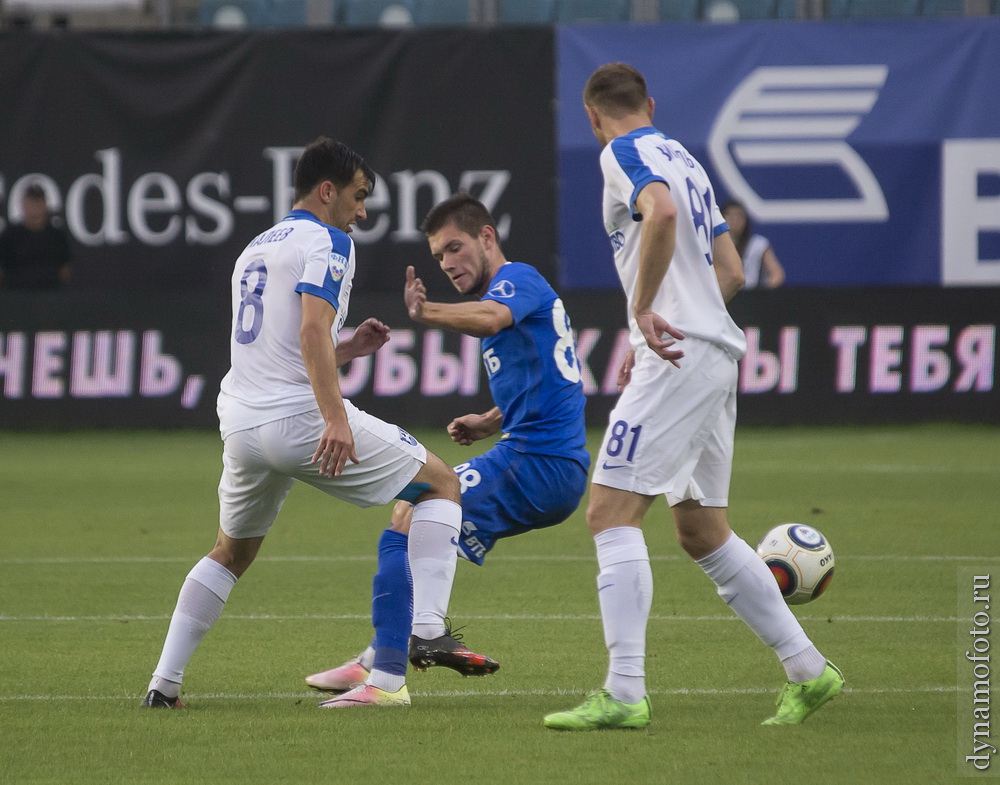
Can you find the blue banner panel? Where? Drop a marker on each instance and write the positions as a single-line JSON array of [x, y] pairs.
[[867, 153]]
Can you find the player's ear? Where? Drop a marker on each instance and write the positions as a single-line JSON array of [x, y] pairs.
[[650, 106], [595, 124]]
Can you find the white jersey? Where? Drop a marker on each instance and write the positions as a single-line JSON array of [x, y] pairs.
[[267, 380], [689, 297]]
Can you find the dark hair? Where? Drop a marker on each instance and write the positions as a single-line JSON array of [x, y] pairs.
[[464, 210], [616, 89], [35, 191], [739, 240], [326, 159]]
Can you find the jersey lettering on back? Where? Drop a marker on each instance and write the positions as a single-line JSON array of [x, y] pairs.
[[298, 257], [689, 297]]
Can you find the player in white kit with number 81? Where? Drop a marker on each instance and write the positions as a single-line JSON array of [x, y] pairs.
[[671, 432]]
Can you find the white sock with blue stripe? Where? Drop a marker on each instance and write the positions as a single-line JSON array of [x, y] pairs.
[[625, 592]]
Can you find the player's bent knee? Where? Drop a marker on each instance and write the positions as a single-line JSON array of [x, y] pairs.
[[597, 523], [440, 477], [699, 541], [609, 508], [402, 515], [235, 554]]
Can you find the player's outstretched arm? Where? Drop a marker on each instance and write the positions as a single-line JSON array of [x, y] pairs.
[[370, 336], [473, 427], [479, 319]]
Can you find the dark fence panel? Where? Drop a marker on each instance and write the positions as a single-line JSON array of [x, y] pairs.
[[164, 154], [68, 360]]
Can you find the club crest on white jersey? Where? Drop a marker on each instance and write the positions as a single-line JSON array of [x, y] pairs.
[[338, 265]]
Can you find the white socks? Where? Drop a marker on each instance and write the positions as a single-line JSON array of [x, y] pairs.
[[432, 549], [804, 666], [199, 604], [390, 682], [747, 586], [625, 591]]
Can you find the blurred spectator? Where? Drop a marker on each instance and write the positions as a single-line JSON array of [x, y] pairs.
[[760, 265], [34, 254]]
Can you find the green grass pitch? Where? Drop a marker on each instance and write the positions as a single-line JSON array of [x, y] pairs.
[[97, 531]]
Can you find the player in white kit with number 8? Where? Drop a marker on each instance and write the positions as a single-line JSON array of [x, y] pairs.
[[283, 419]]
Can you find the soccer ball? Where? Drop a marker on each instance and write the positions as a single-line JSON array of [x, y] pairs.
[[801, 560]]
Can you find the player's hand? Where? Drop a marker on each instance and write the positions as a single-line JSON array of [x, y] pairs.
[[414, 294], [336, 447], [625, 372], [370, 336], [470, 428], [660, 336]]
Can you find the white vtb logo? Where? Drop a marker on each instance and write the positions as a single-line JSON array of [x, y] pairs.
[[800, 115]]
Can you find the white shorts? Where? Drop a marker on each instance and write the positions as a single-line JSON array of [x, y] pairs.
[[672, 430], [261, 464]]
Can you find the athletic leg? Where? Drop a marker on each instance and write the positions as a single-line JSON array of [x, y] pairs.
[[383, 662], [624, 586], [625, 592], [433, 553], [250, 496], [199, 604], [392, 611], [746, 585]]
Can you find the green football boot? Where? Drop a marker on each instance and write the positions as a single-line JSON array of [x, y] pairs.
[[796, 701], [600, 710]]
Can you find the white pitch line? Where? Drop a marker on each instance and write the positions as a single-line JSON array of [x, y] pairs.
[[512, 558], [485, 617], [481, 693]]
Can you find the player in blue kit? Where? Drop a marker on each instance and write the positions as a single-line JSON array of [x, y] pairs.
[[535, 474]]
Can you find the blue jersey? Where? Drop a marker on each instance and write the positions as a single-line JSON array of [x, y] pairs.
[[533, 370]]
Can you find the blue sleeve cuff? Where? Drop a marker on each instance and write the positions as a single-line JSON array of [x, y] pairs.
[[318, 291], [651, 178]]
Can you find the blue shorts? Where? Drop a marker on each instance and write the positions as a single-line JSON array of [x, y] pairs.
[[506, 492]]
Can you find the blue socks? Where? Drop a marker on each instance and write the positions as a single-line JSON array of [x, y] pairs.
[[392, 604]]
